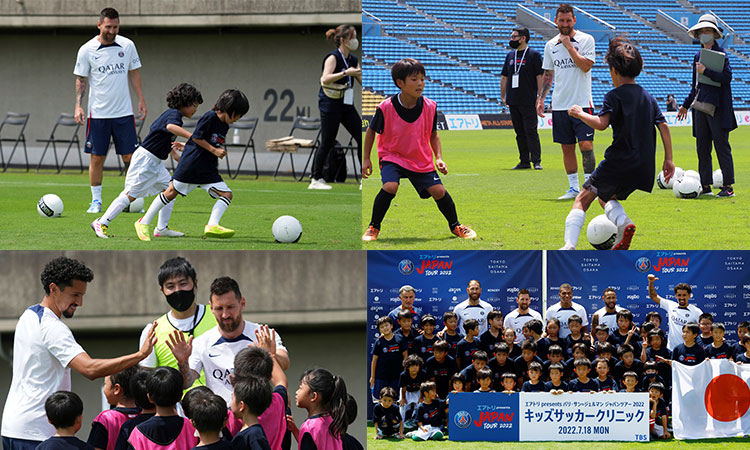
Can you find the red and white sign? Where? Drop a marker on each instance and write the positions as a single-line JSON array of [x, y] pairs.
[[710, 400]]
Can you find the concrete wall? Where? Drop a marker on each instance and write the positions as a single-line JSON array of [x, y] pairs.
[[278, 69]]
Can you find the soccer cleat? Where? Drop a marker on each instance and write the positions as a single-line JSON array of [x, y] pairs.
[[319, 184], [521, 166], [371, 234], [537, 166], [95, 207], [100, 229], [143, 230], [464, 232], [167, 232], [217, 231], [726, 192], [627, 235], [571, 194]]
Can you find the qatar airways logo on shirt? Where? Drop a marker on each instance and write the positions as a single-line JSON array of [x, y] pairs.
[[565, 63], [112, 69]]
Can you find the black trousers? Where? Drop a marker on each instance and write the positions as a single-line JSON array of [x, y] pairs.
[[329, 125], [525, 123], [708, 130]]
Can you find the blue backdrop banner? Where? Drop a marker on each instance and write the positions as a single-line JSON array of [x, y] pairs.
[[479, 416]]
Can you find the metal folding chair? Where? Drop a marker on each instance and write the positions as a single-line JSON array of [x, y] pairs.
[[243, 124], [65, 120], [15, 119], [302, 123]]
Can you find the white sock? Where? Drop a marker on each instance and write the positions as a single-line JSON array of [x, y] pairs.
[[164, 214], [96, 193], [159, 202], [586, 177], [573, 225], [573, 180], [115, 208], [616, 213], [221, 205]]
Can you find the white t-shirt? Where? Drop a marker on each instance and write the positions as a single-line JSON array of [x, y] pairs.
[[185, 325], [517, 321], [572, 85], [608, 319], [43, 346], [563, 314], [677, 317], [214, 354], [107, 71], [465, 311]]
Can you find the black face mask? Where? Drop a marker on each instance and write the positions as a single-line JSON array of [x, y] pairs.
[[514, 44], [181, 300]]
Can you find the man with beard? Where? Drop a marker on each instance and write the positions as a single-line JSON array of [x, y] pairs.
[[213, 352], [568, 58], [679, 313], [517, 318], [109, 61], [178, 282], [608, 314], [473, 308], [44, 351]]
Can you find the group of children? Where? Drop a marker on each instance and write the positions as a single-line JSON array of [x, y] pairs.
[[197, 164], [414, 366], [149, 411]]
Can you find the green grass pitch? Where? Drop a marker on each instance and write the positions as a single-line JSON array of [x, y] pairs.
[[671, 444], [514, 210], [330, 219]]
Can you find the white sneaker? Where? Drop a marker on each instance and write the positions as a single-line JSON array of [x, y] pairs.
[[100, 229], [319, 184], [567, 247], [167, 232], [571, 194], [95, 207]]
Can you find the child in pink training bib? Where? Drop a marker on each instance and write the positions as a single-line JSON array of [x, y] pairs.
[[406, 125], [323, 395]]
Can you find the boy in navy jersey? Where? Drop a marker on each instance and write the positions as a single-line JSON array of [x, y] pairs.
[[479, 361], [451, 336], [658, 411], [706, 338], [251, 396], [606, 383], [575, 325], [628, 362], [744, 358], [405, 331], [552, 338], [106, 425], [556, 385], [688, 353], [509, 383], [387, 357], [65, 412], [147, 174], [626, 332], [409, 382], [469, 344], [555, 354], [407, 125], [500, 364], [629, 162], [424, 343], [430, 415], [208, 414], [742, 329], [582, 382], [535, 383], [199, 165], [630, 382], [440, 368], [528, 355], [386, 417], [484, 378], [579, 352], [494, 334], [718, 349], [656, 348]]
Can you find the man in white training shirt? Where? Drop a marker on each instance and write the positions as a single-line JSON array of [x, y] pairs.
[[565, 308], [679, 313], [107, 62], [473, 308], [568, 58], [517, 318], [213, 352], [44, 351], [607, 315]]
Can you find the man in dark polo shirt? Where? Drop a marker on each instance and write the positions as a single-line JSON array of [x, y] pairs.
[[521, 81]]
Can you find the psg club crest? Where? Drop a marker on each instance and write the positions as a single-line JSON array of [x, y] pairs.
[[406, 267], [643, 264], [121, 54], [462, 419]]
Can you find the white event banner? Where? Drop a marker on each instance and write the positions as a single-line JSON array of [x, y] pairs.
[[620, 416]]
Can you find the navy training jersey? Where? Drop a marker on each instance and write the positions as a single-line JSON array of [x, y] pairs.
[[411, 384], [251, 438], [690, 356], [577, 385], [388, 419], [423, 346], [197, 165], [487, 342], [64, 443], [219, 445], [432, 414], [409, 340], [159, 140], [724, 351], [390, 357], [528, 386], [442, 373], [548, 386]]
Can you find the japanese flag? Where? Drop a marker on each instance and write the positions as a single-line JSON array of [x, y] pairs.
[[710, 400]]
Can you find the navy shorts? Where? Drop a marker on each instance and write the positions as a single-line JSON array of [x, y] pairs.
[[19, 444], [120, 129], [566, 129], [608, 184], [392, 172]]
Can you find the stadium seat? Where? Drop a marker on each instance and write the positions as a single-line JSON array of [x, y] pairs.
[[65, 120], [14, 119], [307, 124], [249, 125]]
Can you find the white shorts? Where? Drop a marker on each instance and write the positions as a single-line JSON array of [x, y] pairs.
[[186, 188], [146, 175]]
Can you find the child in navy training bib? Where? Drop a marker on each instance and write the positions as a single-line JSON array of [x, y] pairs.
[[406, 125], [629, 161]]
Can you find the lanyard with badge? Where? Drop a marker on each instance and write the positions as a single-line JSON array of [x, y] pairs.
[[517, 68], [349, 93]]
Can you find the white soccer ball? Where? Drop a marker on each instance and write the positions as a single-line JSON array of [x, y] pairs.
[[678, 174], [286, 229], [718, 179], [692, 174], [135, 206], [688, 187], [50, 205], [601, 233]]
